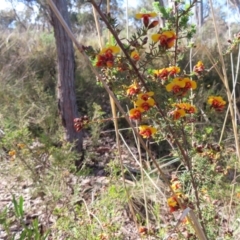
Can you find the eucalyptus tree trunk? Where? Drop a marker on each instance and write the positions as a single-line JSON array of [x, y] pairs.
[[161, 3], [198, 12], [236, 3], [66, 76]]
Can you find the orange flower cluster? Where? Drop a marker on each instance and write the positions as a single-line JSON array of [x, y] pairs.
[[106, 57], [182, 109], [143, 103], [21, 145], [217, 103], [80, 123], [180, 86], [210, 151], [187, 107], [166, 39], [12, 154], [165, 73], [173, 201], [198, 68]]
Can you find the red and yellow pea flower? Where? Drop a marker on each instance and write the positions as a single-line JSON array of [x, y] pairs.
[[180, 86], [176, 85], [153, 24], [145, 96], [133, 89], [147, 131], [217, 103], [173, 70], [135, 113], [161, 73], [106, 57], [173, 203], [164, 73], [185, 221], [135, 55], [21, 145], [145, 101], [110, 50], [145, 17], [166, 39], [145, 105], [12, 154], [182, 109], [177, 114], [198, 68], [176, 186], [187, 107], [189, 84]]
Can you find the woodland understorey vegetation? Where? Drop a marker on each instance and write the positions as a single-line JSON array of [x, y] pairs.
[[159, 97]]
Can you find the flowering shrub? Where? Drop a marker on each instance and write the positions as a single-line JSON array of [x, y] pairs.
[[163, 98]]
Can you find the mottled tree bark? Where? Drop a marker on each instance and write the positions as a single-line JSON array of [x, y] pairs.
[[66, 76]]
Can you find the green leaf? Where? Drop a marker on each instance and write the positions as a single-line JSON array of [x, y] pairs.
[[161, 9], [46, 234], [208, 130], [150, 71], [112, 41], [15, 205], [23, 234], [20, 207], [156, 7]]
